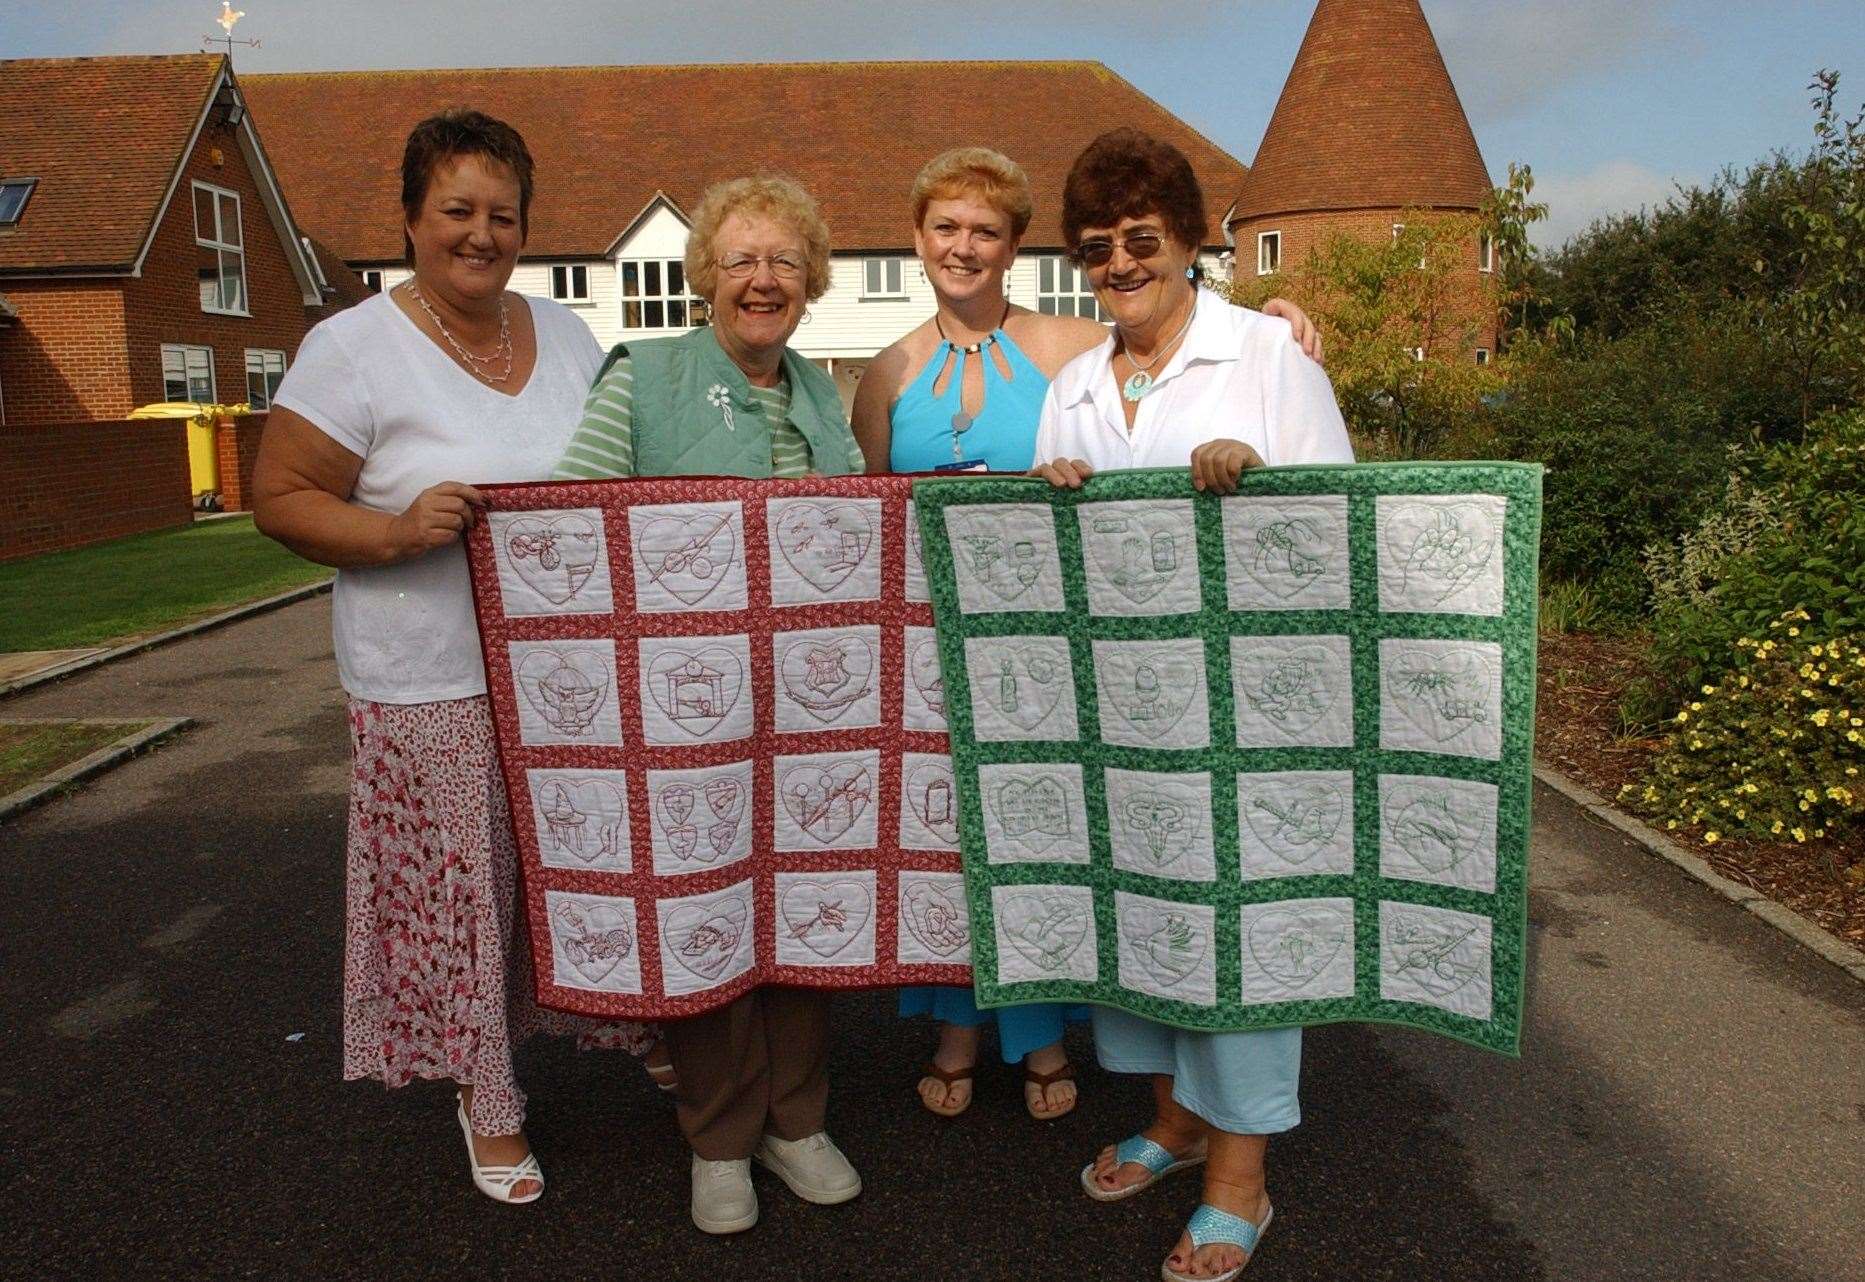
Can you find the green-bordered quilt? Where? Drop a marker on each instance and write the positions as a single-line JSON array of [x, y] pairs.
[[1245, 762]]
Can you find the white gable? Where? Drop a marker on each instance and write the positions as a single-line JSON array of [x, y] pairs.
[[662, 234]]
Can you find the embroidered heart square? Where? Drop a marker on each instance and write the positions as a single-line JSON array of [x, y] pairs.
[[1170, 944], [1444, 691], [1438, 549], [695, 689], [826, 676], [1035, 811], [1149, 690], [566, 688], [554, 556], [822, 543], [1140, 549], [1292, 687], [1295, 945], [593, 938], [1294, 819], [1047, 929], [704, 937], [688, 555], [825, 916], [582, 818], [935, 915], [826, 801], [932, 800]]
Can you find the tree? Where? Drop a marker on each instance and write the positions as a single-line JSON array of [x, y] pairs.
[[1507, 216], [1825, 309]]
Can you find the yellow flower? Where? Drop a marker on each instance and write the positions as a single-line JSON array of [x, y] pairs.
[[1709, 689], [1743, 681], [1800, 834], [1711, 838], [1817, 651], [1793, 632], [1670, 823], [1806, 805], [1740, 813], [1685, 716], [1696, 707], [1819, 718], [1806, 669], [1777, 827]]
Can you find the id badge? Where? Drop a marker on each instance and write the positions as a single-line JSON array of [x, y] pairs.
[[963, 465]]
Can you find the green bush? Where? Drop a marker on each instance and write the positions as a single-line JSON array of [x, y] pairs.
[[1568, 607], [1776, 750]]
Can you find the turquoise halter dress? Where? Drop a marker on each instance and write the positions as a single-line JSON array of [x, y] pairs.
[[1003, 436]]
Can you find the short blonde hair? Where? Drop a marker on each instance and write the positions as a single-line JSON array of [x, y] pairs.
[[772, 196], [976, 171]]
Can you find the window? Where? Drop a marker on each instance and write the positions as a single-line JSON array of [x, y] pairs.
[[654, 295], [1268, 253], [1486, 253], [264, 369], [188, 373], [1482, 356], [373, 279], [222, 270], [13, 195], [569, 283], [1062, 290], [880, 278]]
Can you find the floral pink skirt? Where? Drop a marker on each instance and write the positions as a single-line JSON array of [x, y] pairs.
[[436, 973]]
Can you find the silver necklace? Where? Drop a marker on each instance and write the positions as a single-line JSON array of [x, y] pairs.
[[1136, 387], [961, 421], [473, 362]]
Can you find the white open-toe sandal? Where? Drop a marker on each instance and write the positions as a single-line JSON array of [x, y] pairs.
[[497, 1182]]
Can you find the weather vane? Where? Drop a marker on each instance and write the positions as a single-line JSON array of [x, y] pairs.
[[228, 16]]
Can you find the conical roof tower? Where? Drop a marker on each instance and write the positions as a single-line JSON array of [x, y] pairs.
[[1368, 120]]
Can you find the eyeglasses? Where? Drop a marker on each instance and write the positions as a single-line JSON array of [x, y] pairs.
[[784, 266], [1093, 253]]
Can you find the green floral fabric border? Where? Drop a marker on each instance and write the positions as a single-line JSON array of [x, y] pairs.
[[1247, 762]]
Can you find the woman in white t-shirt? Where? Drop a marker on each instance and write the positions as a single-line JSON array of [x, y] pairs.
[[1185, 380], [391, 410]]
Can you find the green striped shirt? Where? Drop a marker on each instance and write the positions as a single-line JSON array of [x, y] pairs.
[[604, 445]]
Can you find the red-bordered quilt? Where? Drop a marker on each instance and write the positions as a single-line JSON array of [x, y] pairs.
[[721, 723]]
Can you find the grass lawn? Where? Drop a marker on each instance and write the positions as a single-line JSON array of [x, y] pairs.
[[142, 584], [30, 752]]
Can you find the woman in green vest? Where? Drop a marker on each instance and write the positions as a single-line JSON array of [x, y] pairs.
[[732, 399]]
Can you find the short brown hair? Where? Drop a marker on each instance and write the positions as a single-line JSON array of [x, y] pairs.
[[993, 177], [456, 132], [1128, 174], [772, 196]]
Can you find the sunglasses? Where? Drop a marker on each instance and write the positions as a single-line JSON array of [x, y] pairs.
[[1095, 253]]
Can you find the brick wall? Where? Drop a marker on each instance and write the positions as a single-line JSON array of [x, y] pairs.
[[66, 359], [66, 485], [164, 306], [238, 442]]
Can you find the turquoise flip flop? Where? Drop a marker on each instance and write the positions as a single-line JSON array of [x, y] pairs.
[[1208, 1225], [1156, 1158]]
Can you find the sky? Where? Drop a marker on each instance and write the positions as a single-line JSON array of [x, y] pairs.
[[1611, 102]]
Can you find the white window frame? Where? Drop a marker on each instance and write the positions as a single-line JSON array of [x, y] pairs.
[[183, 354], [883, 280], [222, 247], [1482, 356], [1485, 253], [664, 297], [1060, 281], [372, 278], [25, 186], [262, 361], [1268, 263], [564, 281]]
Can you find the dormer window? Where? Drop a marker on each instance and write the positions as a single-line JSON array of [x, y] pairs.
[[14, 192]]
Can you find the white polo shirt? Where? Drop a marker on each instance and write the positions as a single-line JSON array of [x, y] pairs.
[[1238, 375]]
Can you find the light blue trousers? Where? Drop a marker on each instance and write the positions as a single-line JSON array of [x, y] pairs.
[[1245, 1083]]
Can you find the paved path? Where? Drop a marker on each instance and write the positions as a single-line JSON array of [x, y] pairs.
[[1690, 1105]]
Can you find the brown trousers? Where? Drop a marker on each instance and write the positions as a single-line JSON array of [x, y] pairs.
[[759, 1064]]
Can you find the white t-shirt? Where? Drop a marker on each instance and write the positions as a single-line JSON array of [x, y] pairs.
[[382, 389], [1238, 376]]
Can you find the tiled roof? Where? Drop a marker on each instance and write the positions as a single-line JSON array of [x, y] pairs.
[[605, 139], [344, 288], [1369, 119], [104, 137]]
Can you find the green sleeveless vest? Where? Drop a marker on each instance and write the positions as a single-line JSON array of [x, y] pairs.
[[680, 429]]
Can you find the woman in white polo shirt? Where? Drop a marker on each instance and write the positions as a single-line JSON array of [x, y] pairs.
[[1185, 379]]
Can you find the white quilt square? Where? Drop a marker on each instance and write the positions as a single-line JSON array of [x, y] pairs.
[[551, 562], [824, 549], [688, 556], [1441, 696], [827, 800], [1045, 932], [700, 819], [1292, 692], [916, 589], [825, 919], [1022, 688], [1435, 957], [1438, 830], [1167, 949], [566, 692], [707, 940], [1441, 554], [922, 704], [827, 679], [695, 690], [581, 818], [1160, 824], [1034, 813], [1004, 557], [1287, 553], [935, 922], [1297, 950], [592, 942], [1153, 694], [928, 802], [1140, 558], [1295, 823]]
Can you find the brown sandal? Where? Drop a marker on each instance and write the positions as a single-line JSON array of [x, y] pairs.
[[951, 1077], [1042, 1082]]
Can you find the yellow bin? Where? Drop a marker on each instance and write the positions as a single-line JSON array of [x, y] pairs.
[[203, 451]]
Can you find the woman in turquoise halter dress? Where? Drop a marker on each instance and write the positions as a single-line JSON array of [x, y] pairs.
[[965, 389]]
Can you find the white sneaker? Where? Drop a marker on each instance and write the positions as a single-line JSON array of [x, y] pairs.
[[723, 1199], [814, 1168]]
